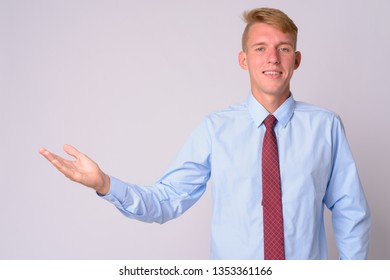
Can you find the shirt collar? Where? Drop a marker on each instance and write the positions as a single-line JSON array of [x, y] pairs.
[[283, 114]]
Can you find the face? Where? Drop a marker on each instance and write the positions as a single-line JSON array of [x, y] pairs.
[[270, 59]]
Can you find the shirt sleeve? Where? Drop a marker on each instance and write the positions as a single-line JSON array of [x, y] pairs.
[[346, 199], [177, 190]]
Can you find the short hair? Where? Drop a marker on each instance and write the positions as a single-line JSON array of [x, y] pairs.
[[273, 17]]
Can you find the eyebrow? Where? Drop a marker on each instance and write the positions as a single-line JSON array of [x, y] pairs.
[[279, 44]]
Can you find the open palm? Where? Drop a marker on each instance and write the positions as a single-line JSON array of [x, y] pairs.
[[82, 169]]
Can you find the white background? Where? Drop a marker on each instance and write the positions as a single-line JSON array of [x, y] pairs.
[[127, 81]]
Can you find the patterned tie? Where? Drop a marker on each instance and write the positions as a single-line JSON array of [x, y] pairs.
[[272, 198]]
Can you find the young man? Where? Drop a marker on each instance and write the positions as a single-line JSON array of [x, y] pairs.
[[312, 165]]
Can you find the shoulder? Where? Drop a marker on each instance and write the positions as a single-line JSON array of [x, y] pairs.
[[314, 111], [227, 119], [311, 108], [230, 111], [229, 114], [317, 118]]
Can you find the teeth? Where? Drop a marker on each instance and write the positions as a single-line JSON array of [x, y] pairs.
[[271, 73]]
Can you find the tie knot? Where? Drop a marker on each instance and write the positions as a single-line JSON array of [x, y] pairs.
[[270, 121]]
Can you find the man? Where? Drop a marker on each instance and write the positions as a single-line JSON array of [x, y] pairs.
[[312, 165]]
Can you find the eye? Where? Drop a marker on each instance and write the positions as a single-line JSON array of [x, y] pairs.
[[284, 49], [260, 49]]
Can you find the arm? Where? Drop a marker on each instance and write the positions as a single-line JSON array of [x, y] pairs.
[[176, 191], [346, 199], [82, 170]]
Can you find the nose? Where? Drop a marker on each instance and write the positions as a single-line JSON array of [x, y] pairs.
[[273, 56]]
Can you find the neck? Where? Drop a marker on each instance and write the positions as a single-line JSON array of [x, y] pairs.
[[271, 102]]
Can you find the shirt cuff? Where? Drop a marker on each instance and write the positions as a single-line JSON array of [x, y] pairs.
[[116, 192]]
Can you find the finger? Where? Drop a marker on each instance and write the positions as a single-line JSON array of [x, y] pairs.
[[48, 155], [62, 165], [64, 168], [41, 150], [55, 160], [69, 149]]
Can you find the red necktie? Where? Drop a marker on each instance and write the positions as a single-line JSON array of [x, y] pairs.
[[272, 198]]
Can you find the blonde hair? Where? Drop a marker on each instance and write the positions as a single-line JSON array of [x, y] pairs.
[[273, 17]]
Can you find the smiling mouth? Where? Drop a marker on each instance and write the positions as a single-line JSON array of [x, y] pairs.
[[272, 73]]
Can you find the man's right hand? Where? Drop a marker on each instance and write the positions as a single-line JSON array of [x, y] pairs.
[[82, 170]]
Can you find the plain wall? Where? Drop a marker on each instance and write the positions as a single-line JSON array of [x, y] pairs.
[[127, 81]]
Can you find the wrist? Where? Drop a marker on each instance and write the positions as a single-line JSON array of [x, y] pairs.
[[106, 185]]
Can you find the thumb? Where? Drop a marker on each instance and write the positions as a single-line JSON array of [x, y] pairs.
[[70, 150]]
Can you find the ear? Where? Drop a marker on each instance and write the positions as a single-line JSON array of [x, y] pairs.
[[298, 57], [242, 60]]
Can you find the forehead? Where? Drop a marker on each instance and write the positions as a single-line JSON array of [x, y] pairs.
[[267, 34]]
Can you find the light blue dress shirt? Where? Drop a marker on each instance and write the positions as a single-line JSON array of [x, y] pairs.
[[316, 166]]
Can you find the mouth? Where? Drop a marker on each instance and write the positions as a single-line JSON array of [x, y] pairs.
[[272, 73]]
